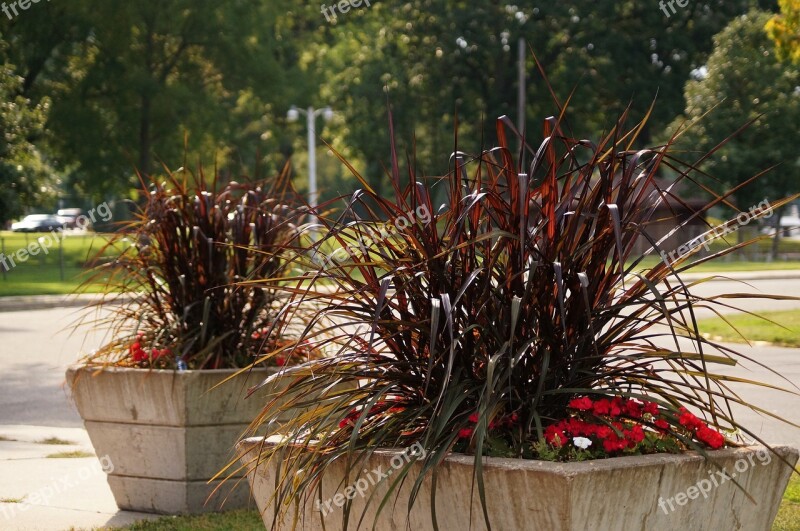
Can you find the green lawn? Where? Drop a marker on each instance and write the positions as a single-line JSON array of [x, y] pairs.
[[788, 518], [789, 514], [756, 329], [238, 520], [42, 274], [723, 266]]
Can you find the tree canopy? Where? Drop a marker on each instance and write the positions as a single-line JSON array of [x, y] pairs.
[[131, 85], [745, 81]]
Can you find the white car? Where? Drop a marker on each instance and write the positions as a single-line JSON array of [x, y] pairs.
[[38, 223]]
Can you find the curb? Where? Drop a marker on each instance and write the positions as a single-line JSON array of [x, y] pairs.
[[46, 302]]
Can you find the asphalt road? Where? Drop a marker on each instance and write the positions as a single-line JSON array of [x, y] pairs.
[[37, 346]]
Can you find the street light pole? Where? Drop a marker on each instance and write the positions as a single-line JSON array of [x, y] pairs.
[[311, 118], [312, 158]]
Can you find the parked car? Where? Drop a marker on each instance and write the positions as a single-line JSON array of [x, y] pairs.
[[38, 223], [69, 217]]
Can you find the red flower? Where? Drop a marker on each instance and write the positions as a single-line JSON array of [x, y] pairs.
[[614, 443], [577, 427], [473, 418], [137, 353], [689, 421], [616, 406], [583, 403], [712, 438], [635, 434], [633, 409], [650, 407], [350, 419], [554, 435], [602, 407], [662, 424], [465, 433], [280, 361], [604, 432]]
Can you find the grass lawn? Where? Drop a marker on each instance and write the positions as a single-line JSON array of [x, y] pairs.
[[238, 520], [788, 518], [756, 329], [722, 266], [789, 514], [42, 274]]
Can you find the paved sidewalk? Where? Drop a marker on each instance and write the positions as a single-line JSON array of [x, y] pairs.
[[43, 302], [44, 493]]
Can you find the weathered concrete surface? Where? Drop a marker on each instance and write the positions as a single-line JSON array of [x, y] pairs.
[[48, 494], [167, 433], [601, 495]]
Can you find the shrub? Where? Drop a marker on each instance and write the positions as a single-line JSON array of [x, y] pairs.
[[475, 328], [181, 292]]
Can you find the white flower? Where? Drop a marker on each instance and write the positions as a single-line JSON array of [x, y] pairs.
[[582, 442]]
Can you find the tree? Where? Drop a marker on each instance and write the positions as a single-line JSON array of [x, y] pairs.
[[784, 30], [433, 59], [152, 81], [745, 81], [26, 181]]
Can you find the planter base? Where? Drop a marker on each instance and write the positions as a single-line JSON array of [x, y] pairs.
[[166, 434], [655, 492], [176, 497]]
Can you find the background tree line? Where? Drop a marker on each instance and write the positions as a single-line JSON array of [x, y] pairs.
[[96, 90]]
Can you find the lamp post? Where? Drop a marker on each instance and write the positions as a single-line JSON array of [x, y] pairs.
[[311, 115]]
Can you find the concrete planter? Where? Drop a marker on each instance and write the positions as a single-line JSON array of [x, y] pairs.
[[167, 433], [655, 492]]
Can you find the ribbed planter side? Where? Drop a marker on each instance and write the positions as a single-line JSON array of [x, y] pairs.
[[167, 433], [655, 492]]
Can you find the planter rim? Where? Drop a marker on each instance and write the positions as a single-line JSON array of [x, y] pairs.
[[188, 372], [566, 468]]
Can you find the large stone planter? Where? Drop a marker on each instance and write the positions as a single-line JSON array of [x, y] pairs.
[[167, 433], [655, 492]]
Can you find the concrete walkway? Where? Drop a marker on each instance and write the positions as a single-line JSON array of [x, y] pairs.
[[41, 491]]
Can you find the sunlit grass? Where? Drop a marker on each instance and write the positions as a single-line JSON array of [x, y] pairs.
[[788, 518], [42, 274], [55, 441], [756, 329], [238, 520], [78, 454]]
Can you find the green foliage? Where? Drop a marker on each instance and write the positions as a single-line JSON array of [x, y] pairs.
[[436, 61], [784, 30], [25, 177], [139, 82], [130, 82], [745, 82]]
